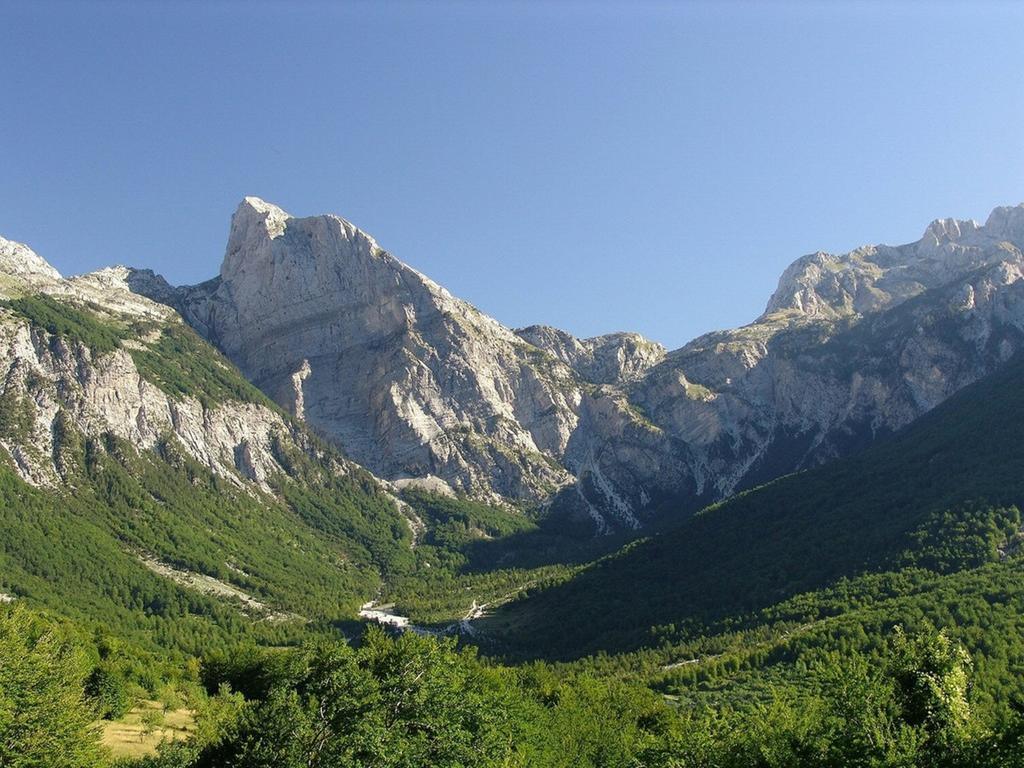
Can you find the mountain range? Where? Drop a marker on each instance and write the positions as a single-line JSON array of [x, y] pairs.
[[423, 389], [734, 531]]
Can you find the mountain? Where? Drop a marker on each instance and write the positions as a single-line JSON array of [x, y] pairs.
[[147, 487], [157, 505], [410, 381], [615, 358], [940, 496], [421, 387], [424, 390], [850, 348]]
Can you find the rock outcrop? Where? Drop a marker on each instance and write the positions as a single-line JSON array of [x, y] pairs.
[[407, 379], [850, 348], [873, 278], [53, 383], [615, 358], [21, 269]]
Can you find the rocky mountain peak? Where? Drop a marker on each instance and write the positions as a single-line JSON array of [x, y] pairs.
[[21, 267], [943, 231], [614, 358], [409, 380], [876, 277], [418, 385], [255, 212], [264, 239], [1007, 223], [121, 290], [254, 223]]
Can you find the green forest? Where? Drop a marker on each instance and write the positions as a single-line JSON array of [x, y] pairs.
[[866, 613]]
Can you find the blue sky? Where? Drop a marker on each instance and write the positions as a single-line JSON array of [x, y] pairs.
[[594, 166]]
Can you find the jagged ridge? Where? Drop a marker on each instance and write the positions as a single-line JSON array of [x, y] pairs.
[[418, 385]]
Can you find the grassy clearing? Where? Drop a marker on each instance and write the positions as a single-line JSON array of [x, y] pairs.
[[144, 727]]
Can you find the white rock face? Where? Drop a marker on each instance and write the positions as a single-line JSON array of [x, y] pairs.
[[409, 380], [615, 358], [111, 289], [414, 383], [43, 375], [851, 347], [22, 269], [873, 278]]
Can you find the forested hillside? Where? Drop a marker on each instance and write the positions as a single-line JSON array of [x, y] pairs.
[[148, 490], [941, 495], [888, 585], [150, 542], [175, 547], [865, 613]]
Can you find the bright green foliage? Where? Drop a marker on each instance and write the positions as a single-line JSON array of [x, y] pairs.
[[415, 701], [45, 719], [930, 676], [108, 688], [64, 320], [349, 506], [405, 702], [81, 553], [1004, 749], [908, 708], [182, 364]]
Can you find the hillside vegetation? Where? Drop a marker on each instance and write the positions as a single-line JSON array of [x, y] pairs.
[[941, 495], [159, 549], [869, 612]]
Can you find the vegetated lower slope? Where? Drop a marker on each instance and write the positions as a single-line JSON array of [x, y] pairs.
[[471, 554], [981, 607], [152, 491], [227, 518], [940, 495], [81, 552]]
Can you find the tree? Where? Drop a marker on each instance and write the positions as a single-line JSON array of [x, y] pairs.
[[45, 718], [392, 703], [151, 720], [109, 690], [931, 674]]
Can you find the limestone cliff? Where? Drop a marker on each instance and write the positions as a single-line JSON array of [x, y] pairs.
[[53, 379], [851, 348], [409, 380], [615, 358]]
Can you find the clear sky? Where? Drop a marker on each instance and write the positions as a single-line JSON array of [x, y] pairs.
[[594, 166]]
